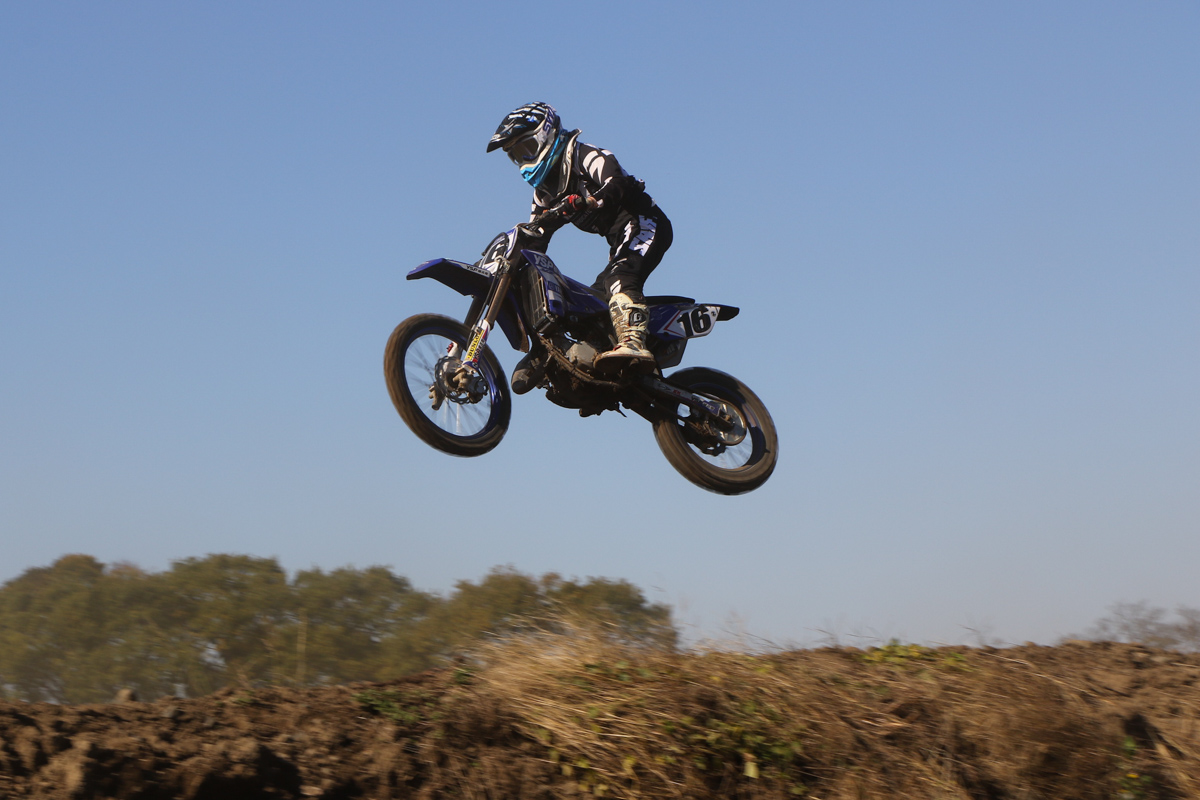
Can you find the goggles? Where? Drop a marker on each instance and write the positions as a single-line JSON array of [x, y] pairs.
[[525, 150]]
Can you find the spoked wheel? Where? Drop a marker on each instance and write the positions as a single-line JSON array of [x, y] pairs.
[[731, 456], [449, 406]]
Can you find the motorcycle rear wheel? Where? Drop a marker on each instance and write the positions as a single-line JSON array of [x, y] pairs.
[[459, 427], [733, 469]]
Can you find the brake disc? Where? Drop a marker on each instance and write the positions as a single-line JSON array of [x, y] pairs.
[[456, 382]]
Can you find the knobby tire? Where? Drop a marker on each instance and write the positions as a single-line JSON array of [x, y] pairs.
[[408, 356], [758, 452]]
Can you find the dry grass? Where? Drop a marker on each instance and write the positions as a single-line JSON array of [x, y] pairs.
[[565, 711], [620, 720]]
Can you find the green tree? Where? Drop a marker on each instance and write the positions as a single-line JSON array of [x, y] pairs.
[[53, 624], [618, 603], [507, 601], [355, 624], [233, 609], [77, 631], [146, 646]]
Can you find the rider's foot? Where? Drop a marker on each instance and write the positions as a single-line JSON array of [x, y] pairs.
[[625, 358], [529, 372], [629, 321]]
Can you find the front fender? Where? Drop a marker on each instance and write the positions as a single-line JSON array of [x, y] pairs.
[[473, 281]]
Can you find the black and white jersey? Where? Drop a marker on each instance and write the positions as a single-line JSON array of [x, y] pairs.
[[590, 171], [637, 230]]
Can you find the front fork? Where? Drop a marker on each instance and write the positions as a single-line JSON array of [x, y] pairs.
[[480, 328], [461, 370]]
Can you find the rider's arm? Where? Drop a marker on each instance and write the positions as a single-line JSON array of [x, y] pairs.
[[613, 184], [540, 243]]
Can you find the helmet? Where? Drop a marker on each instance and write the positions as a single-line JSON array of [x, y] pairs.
[[532, 137]]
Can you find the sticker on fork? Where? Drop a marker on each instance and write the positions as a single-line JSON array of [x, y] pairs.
[[476, 342]]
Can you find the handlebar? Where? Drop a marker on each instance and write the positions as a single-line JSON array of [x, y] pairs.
[[562, 213], [565, 210]]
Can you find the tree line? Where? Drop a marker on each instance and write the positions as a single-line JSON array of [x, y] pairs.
[[78, 631], [1143, 623]]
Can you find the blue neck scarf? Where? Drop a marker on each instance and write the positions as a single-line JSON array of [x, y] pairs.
[[536, 175]]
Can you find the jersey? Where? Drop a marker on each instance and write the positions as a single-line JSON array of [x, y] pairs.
[[589, 171], [637, 230]]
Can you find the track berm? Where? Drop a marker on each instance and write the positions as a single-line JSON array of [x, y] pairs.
[[582, 714]]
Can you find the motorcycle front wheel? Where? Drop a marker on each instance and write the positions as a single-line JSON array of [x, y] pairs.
[[726, 461], [454, 417]]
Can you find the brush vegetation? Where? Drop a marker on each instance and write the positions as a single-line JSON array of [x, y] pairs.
[[560, 709], [550, 688], [899, 720]]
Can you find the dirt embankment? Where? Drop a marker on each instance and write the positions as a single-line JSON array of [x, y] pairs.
[[581, 716]]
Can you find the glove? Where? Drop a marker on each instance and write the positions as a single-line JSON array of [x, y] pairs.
[[574, 205]]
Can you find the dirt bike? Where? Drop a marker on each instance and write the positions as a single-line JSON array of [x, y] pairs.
[[451, 391]]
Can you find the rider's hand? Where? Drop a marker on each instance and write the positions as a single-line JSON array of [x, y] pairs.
[[575, 205]]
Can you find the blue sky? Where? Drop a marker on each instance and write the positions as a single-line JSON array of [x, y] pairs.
[[964, 237]]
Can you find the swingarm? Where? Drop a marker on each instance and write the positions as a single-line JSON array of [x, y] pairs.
[[666, 391], [711, 425]]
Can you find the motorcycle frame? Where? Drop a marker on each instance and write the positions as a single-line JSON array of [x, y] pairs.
[[493, 302]]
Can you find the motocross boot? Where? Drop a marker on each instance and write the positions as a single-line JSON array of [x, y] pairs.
[[529, 371], [629, 322]]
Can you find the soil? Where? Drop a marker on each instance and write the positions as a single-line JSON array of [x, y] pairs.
[[449, 733]]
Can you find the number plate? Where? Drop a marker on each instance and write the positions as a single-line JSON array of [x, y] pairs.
[[691, 321]]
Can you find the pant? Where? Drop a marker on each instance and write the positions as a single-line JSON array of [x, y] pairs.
[[636, 245]]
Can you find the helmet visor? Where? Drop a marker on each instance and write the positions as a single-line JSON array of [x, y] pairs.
[[525, 150]]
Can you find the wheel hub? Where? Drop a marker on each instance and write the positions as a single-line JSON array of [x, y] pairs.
[[456, 382], [713, 434], [736, 431]]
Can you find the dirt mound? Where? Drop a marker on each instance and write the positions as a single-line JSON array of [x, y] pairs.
[[575, 715]]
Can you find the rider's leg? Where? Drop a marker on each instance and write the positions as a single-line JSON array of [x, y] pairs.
[[629, 320], [634, 256]]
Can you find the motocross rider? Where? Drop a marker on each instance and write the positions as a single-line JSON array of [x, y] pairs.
[[605, 200]]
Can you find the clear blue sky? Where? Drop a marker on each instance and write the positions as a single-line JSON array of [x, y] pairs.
[[965, 238]]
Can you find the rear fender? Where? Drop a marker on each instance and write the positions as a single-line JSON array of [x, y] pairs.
[[471, 280]]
